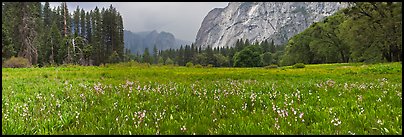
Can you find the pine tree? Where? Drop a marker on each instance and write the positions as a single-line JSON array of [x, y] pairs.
[[209, 55], [155, 55], [76, 21], [54, 42], [82, 23], [272, 47], [146, 56], [88, 35]]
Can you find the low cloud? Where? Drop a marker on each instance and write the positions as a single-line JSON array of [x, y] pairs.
[[183, 19]]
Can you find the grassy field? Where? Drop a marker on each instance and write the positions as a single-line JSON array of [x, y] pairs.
[[141, 99]]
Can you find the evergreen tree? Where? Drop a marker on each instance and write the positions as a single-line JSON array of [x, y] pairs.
[[82, 23], [146, 56], [88, 35], [209, 55], [155, 55], [76, 21]]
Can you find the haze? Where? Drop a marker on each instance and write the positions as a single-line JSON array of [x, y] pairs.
[[182, 19]]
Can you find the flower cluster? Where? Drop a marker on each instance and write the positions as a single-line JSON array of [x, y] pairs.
[[336, 122]]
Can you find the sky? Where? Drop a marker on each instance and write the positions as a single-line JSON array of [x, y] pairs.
[[183, 19]]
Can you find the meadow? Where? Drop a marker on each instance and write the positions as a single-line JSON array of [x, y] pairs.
[[131, 98]]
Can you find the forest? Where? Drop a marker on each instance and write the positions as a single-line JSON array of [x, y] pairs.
[[265, 53], [46, 36]]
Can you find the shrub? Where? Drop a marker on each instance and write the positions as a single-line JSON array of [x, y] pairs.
[[189, 64], [271, 66], [198, 66], [298, 65], [209, 66], [169, 61], [17, 62]]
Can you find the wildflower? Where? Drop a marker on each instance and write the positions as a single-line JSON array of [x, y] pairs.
[[330, 82], [77, 116], [362, 110], [345, 86], [60, 115], [362, 86], [294, 112], [183, 128], [301, 115], [360, 98], [245, 106], [378, 100], [379, 122], [336, 121], [277, 126], [129, 83]]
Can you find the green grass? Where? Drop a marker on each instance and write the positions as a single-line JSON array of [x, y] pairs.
[[141, 99]]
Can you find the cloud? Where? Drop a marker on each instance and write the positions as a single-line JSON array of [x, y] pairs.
[[182, 19]]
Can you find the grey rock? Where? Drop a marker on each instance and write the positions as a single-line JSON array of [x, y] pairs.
[[259, 21]]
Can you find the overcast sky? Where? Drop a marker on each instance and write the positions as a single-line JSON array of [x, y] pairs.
[[182, 19]]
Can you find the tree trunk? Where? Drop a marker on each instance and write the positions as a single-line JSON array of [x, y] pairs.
[[27, 34]]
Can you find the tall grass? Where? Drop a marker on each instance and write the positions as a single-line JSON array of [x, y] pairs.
[[139, 99]]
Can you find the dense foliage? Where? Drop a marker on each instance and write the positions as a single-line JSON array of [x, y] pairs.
[[364, 32], [55, 36], [242, 54]]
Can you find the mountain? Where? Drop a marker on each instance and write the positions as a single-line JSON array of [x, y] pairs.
[[258, 21], [138, 41]]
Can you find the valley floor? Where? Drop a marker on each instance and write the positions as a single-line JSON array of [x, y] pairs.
[[139, 99]]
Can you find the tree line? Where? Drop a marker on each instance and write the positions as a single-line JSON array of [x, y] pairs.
[[47, 36], [242, 54]]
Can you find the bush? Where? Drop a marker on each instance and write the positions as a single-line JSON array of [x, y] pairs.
[[198, 66], [298, 65], [209, 66], [189, 64], [16, 62], [169, 61], [271, 66]]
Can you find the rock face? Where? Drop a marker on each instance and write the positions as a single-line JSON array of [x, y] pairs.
[[258, 21], [137, 42]]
